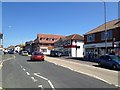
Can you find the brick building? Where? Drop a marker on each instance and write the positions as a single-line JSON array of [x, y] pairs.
[[94, 40], [45, 42]]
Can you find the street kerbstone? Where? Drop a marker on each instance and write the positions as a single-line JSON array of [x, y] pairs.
[[108, 76]]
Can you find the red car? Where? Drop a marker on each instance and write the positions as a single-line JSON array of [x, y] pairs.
[[37, 56]]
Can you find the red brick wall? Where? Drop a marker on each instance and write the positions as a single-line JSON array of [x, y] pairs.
[[116, 35]]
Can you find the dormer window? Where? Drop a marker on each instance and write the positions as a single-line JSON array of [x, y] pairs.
[[46, 38], [40, 38], [53, 39]]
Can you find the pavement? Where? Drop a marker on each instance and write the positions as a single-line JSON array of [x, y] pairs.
[[87, 68], [2, 59], [23, 73]]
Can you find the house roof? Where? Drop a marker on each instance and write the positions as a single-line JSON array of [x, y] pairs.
[[109, 25], [74, 37], [57, 37]]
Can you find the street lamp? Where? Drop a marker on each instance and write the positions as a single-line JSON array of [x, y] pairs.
[[105, 26]]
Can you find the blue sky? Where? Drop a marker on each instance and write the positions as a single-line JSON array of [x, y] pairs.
[[22, 21]]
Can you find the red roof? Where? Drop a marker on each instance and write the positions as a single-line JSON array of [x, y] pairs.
[[109, 25], [51, 36], [74, 37]]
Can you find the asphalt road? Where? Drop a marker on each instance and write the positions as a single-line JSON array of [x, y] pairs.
[[23, 73]]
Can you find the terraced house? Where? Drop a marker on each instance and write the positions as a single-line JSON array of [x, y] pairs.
[[94, 40], [71, 45]]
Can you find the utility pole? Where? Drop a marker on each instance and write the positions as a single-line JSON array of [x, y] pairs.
[[105, 27], [105, 34]]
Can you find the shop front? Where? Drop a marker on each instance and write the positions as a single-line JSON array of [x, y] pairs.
[[94, 51]]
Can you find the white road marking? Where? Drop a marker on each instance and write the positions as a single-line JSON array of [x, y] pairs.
[[37, 73], [27, 73], [35, 80], [51, 84], [53, 88], [40, 86], [21, 66], [40, 76], [23, 69]]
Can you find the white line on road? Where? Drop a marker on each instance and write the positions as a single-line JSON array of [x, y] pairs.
[[21, 66], [35, 80], [27, 73], [53, 88], [40, 86], [24, 69], [51, 84], [40, 76]]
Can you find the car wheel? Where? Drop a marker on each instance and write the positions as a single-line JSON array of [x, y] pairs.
[[42, 59], [31, 59], [99, 63], [114, 67], [59, 55]]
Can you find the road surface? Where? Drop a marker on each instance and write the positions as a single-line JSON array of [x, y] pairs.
[[23, 73]]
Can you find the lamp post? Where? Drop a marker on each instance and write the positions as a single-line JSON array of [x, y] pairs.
[[105, 26]]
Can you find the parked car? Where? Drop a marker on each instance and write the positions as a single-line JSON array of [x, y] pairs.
[[111, 61], [24, 53], [37, 56], [56, 53]]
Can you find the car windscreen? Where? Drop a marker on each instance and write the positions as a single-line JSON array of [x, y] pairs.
[[37, 53], [54, 51], [115, 57], [24, 51]]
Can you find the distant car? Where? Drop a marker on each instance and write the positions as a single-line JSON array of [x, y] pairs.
[[37, 56], [24, 53], [111, 61], [56, 53], [20, 52], [11, 52]]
